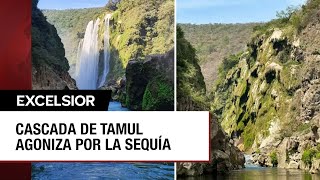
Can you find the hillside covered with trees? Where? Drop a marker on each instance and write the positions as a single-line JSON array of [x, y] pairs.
[[214, 42]]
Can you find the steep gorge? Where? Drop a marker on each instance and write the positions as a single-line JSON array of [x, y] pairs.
[[191, 96]]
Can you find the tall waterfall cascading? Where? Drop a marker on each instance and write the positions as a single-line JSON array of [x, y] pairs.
[[87, 67], [106, 50]]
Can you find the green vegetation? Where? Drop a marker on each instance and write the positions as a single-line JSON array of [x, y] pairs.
[[142, 28], [190, 85], [228, 63], [214, 42], [308, 155], [311, 153], [158, 95], [274, 159], [249, 135], [294, 19], [255, 91], [138, 29]]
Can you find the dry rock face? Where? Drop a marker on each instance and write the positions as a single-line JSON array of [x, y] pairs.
[[310, 90], [290, 152], [44, 78], [224, 156]]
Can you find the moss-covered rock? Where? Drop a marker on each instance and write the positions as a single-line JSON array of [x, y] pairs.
[[158, 95], [190, 83], [149, 83]]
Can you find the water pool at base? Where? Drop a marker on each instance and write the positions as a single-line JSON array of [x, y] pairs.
[[100, 171]]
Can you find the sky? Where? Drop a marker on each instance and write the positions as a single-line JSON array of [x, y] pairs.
[[230, 11], [70, 4]]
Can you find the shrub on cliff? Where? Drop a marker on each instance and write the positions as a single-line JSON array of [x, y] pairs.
[[274, 159], [308, 155], [159, 95]]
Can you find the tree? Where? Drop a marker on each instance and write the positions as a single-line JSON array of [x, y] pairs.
[[112, 4]]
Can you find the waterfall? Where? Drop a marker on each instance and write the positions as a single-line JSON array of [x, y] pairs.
[[106, 50], [87, 67]]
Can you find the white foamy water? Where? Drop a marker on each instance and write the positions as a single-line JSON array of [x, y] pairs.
[[87, 68]]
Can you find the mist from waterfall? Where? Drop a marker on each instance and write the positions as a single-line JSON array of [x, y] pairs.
[[87, 68], [106, 50]]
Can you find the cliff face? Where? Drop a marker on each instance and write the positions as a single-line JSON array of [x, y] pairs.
[[269, 98], [50, 67], [191, 88], [191, 96], [150, 83]]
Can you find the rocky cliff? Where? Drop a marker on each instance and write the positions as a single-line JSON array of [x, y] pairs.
[[191, 96], [49, 65], [269, 96], [191, 87], [150, 83]]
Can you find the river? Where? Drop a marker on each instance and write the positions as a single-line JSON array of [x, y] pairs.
[[260, 173], [255, 172], [112, 171], [99, 171], [116, 106]]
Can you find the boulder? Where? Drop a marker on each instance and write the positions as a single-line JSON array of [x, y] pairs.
[[293, 165]]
